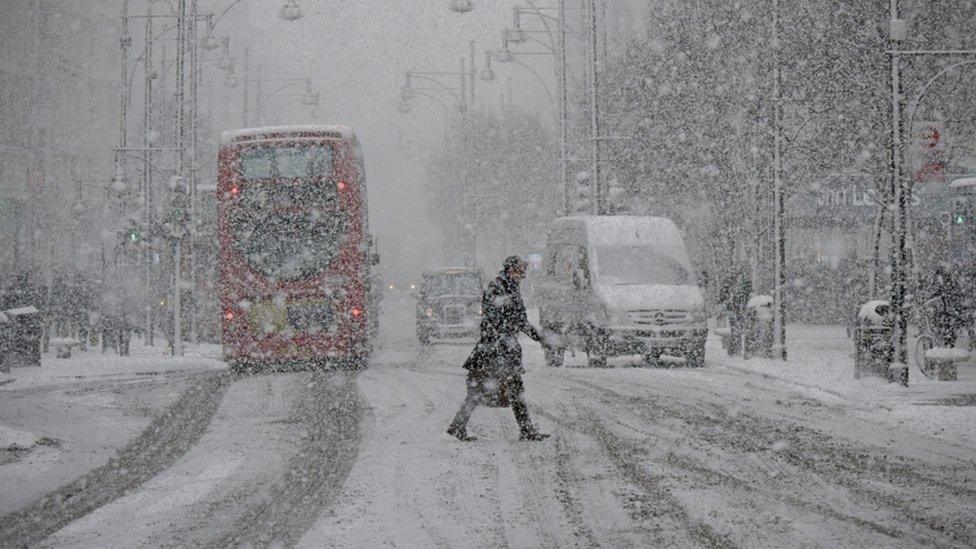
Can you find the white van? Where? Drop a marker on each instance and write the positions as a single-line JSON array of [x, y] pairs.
[[617, 285]]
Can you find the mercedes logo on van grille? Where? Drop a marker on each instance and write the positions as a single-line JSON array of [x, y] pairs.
[[659, 317]]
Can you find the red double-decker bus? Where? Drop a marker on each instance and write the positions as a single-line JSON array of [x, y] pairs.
[[295, 253]]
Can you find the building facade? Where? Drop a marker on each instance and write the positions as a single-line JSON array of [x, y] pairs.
[[58, 124]]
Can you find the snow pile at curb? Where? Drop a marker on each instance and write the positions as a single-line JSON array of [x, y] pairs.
[[12, 439], [947, 354]]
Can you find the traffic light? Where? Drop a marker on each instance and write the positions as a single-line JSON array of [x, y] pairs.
[[133, 236], [959, 219]]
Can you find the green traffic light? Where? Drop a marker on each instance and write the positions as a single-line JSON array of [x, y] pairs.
[[960, 219], [133, 237]]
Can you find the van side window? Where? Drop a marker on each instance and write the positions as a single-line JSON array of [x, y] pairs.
[[582, 267], [551, 263], [567, 260]]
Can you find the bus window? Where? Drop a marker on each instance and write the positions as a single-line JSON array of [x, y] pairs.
[[286, 162]]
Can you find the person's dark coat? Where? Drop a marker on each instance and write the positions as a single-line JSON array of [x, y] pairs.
[[504, 318], [22, 293], [735, 293], [948, 315]]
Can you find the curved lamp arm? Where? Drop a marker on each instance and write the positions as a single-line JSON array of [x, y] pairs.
[[545, 86], [439, 83], [450, 113]]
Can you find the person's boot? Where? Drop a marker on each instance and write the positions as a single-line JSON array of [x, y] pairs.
[[533, 435], [460, 433]]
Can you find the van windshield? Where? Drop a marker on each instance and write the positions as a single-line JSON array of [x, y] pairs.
[[623, 265]]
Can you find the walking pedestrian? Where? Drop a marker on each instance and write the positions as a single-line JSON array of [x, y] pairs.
[[495, 364], [948, 314], [734, 296]]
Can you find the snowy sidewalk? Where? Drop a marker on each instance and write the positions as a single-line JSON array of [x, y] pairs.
[[92, 364], [821, 365], [68, 416]]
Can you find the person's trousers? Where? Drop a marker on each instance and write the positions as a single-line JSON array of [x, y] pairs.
[[480, 388], [737, 325]]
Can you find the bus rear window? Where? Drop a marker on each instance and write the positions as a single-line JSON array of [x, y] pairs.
[[299, 161]]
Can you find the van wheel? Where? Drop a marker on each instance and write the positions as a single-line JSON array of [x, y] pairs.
[[554, 357], [596, 361], [423, 337]]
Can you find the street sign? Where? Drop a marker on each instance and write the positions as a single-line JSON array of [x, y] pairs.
[[928, 152]]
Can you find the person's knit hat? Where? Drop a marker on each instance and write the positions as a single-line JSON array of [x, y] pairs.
[[514, 262]]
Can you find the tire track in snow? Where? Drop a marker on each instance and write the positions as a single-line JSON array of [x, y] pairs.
[[629, 462], [490, 469], [660, 517], [739, 443], [402, 489], [813, 452], [330, 411], [165, 439], [411, 487], [546, 476], [525, 512], [566, 493]]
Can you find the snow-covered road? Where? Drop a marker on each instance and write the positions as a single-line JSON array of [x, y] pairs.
[[640, 457], [720, 456]]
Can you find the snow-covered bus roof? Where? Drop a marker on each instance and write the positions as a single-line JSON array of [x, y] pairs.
[[964, 182], [256, 134]]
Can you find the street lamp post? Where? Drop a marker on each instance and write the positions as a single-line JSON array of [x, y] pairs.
[[510, 57], [289, 12], [147, 189], [901, 191], [599, 197], [779, 248], [308, 98], [407, 93], [180, 172], [557, 46]]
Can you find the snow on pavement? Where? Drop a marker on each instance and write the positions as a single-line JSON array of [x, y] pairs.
[[821, 366], [12, 439], [644, 457], [243, 441], [740, 453], [255, 471], [83, 409], [93, 363]]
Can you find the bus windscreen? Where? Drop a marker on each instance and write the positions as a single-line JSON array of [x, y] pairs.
[[285, 220], [288, 244]]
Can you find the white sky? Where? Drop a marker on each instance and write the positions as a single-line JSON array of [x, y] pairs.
[[356, 52]]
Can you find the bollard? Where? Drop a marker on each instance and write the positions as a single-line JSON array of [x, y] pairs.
[[759, 326], [874, 351]]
